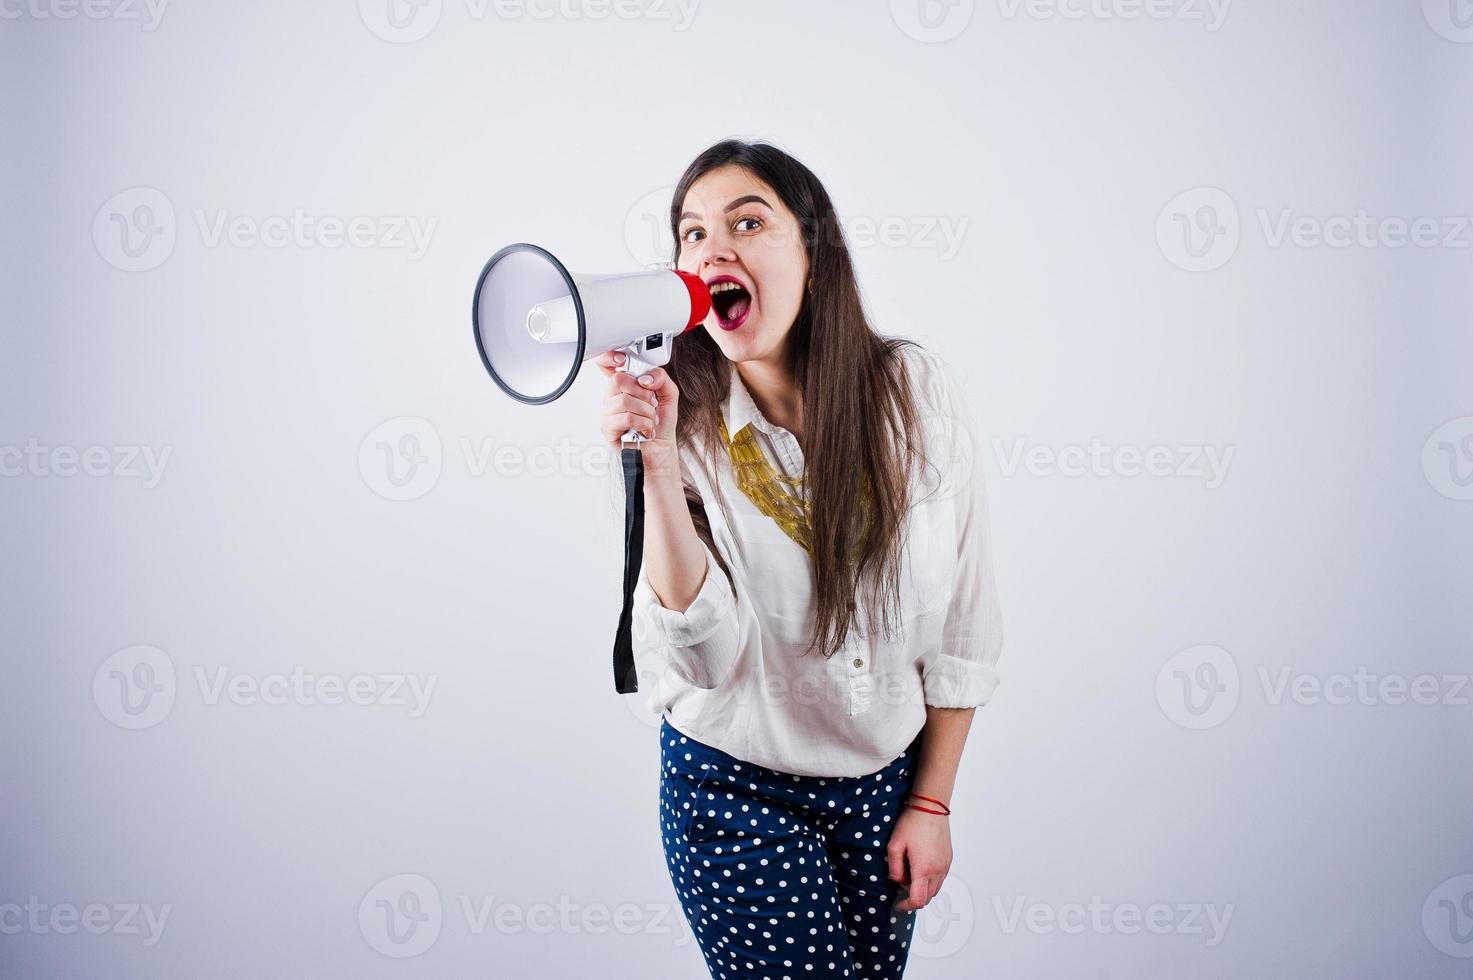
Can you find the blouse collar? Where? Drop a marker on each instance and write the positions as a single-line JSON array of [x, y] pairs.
[[740, 410]]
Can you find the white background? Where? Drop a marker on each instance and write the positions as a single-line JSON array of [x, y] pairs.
[[1067, 145]]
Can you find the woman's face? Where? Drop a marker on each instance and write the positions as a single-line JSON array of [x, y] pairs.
[[739, 237]]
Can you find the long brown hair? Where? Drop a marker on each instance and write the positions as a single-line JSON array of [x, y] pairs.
[[860, 419]]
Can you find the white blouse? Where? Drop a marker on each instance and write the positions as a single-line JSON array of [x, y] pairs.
[[727, 670]]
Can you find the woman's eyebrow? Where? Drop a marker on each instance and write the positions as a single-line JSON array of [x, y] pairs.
[[749, 199]]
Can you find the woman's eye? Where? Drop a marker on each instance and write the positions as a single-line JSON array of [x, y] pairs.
[[689, 232], [753, 221]]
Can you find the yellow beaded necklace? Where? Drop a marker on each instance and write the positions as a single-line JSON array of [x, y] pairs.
[[776, 494]]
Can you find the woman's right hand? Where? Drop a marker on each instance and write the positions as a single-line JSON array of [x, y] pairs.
[[651, 409]]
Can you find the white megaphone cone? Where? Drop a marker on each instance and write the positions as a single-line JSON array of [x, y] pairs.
[[536, 323]]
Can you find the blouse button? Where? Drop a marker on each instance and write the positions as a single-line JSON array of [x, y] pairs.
[[858, 662]]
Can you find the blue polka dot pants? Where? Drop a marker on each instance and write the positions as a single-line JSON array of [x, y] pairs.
[[784, 877]]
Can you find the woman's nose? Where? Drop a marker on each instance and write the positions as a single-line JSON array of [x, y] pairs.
[[717, 252]]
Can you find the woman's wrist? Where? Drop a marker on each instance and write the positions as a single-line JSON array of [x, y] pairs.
[[660, 462], [928, 804]]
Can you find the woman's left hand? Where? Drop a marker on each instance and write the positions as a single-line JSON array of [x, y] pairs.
[[919, 855]]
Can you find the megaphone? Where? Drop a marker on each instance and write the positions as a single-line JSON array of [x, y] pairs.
[[536, 322]]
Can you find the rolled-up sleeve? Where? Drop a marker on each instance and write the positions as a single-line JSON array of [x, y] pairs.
[[699, 645], [963, 672]]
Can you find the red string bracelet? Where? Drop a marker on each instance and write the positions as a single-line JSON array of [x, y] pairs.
[[945, 810]]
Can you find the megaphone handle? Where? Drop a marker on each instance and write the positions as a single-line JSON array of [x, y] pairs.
[[635, 365]]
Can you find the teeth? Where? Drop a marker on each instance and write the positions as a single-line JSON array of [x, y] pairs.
[[726, 287]]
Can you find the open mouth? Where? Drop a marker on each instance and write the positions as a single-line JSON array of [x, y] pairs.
[[730, 301]]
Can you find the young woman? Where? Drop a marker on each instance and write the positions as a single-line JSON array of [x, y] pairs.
[[816, 616]]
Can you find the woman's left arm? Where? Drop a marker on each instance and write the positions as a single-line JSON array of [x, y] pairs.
[[920, 845], [961, 675]]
